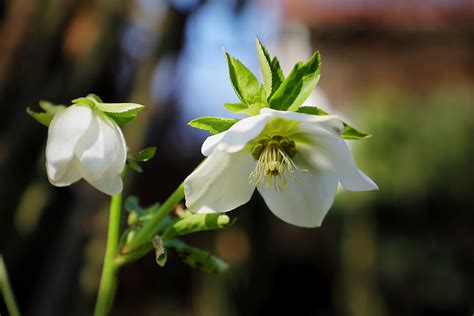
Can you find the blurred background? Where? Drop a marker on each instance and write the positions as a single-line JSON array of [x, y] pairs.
[[401, 70]]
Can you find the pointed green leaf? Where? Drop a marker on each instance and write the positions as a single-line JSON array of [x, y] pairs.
[[312, 110], [212, 124], [245, 84], [240, 108], [297, 87], [197, 258], [195, 223], [236, 107], [265, 61], [253, 109], [119, 107], [271, 70], [121, 113], [144, 154], [43, 118], [134, 166], [51, 108], [351, 133], [277, 75]]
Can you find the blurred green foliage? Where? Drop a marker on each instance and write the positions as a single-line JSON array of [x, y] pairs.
[[420, 221]]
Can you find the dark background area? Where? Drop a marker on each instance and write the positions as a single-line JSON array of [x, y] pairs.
[[401, 70]]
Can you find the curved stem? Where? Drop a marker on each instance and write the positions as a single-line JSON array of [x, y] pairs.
[[6, 289], [147, 232], [108, 281]]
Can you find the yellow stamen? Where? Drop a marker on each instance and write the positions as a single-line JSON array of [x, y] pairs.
[[274, 162]]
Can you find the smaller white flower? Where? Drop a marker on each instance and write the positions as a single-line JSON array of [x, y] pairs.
[[294, 160], [84, 143]]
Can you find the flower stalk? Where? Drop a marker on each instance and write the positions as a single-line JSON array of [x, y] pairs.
[[7, 291], [108, 281], [147, 232]]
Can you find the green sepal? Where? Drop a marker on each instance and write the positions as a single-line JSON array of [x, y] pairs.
[[196, 223], [197, 258], [349, 132], [271, 70], [45, 118], [297, 87], [212, 124], [245, 83]]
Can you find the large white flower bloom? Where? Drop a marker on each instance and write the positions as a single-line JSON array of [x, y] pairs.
[[84, 143], [295, 161]]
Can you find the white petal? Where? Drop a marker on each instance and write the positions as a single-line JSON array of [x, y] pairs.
[[240, 134], [119, 164], [330, 151], [211, 143], [307, 198], [100, 147], [221, 184], [70, 175], [108, 183], [329, 122], [65, 131]]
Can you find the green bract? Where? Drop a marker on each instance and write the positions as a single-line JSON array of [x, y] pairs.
[[142, 156], [45, 117], [349, 131], [271, 70], [245, 84], [166, 234], [276, 92], [212, 124], [121, 113], [297, 87], [197, 258]]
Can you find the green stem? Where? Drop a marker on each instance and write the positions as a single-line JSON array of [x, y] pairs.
[[130, 257], [6, 289], [148, 231], [108, 281]]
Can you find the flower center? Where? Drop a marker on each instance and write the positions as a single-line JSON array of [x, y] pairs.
[[274, 162]]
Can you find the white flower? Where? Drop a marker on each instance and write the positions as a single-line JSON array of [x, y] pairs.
[[295, 161], [84, 143]]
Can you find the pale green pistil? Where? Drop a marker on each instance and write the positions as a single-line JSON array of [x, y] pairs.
[[274, 161]]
